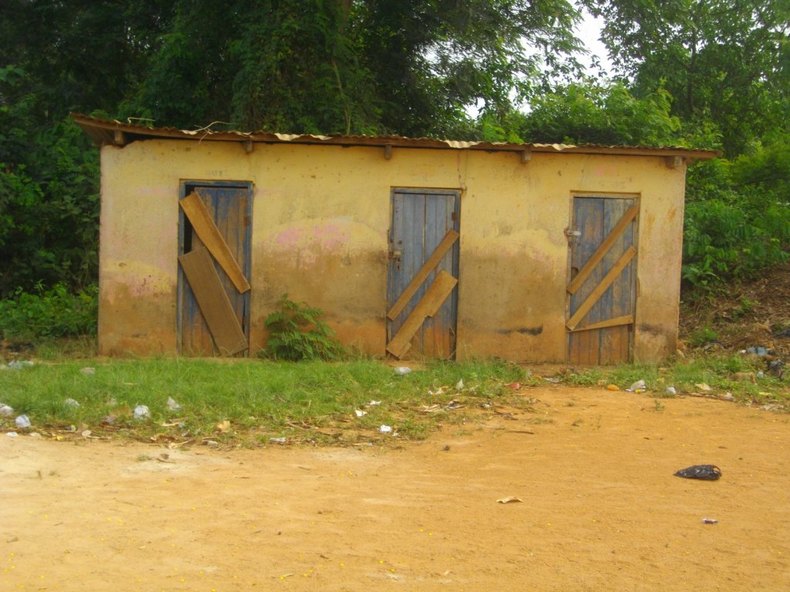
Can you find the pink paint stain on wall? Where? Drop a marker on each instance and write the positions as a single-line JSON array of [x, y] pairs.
[[289, 237], [329, 236]]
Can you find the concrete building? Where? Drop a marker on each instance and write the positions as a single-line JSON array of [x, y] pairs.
[[412, 247]]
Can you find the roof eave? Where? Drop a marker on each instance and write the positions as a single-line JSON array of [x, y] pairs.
[[105, 132]]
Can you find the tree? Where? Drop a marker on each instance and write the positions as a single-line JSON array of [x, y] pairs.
[[601, 114], [351, 66], [724, 61]]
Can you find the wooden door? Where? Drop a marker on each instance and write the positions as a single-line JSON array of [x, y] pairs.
[[214, 267], [422, 300], [602, 285]]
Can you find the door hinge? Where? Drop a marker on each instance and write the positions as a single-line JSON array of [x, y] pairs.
[[572, 234]]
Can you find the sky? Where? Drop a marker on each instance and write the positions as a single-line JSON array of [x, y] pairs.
[[589, 31]]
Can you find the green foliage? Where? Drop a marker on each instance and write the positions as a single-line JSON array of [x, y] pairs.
[[296, 332], [49, 210], [737, 216], [693, 72], [601, 114], [49, 313], [722, 60], [703, 336]]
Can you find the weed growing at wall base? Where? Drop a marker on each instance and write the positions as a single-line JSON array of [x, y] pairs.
[[297, 332]]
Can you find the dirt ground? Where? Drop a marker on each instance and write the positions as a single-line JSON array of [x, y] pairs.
[[600, 509]]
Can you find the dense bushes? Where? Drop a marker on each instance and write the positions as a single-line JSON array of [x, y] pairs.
[[737, 217], [44, 313]]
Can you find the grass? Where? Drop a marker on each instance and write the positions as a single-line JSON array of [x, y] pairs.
[[251, 402], [259, 400]]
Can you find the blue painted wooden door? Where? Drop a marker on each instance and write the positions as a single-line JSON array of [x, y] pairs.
[[421, 218], [230, 206], [602, 280]]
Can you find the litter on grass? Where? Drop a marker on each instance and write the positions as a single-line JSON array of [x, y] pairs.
[[142, 412], [638, 387]]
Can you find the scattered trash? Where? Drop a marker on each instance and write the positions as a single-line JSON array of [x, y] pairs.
[[374, 403], [704, 472], [552, 379], [11, 434], [459, 386], [638, 387], [22, 422], [172, 405], [19, 364], [71, 403], [223, 426], [211, 443], [34, 435], [705, 388], [6, 410], [88, 371], [514, 385], [671, 390], [777, 368], [612, 387], [728, 397], [402, 370], [142, 412], [758, 350], [709, 521], [511, 499], [86, 434], [282, 440], [385, 429], [360, 413]]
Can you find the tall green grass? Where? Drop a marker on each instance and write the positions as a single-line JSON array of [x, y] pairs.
[[251, 401], [271, 398]]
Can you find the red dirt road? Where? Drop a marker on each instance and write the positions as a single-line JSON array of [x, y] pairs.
[[600, 510]]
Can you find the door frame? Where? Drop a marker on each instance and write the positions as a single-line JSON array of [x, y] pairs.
[[184, 188], [637, 201], [456, 250]]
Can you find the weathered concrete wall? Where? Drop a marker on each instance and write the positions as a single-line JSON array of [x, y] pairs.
[[321, 215]]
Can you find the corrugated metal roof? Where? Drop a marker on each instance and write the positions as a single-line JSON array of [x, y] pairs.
[[104, 131]]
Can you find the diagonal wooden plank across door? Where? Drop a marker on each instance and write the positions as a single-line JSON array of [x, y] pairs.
[[602, 285], [422, 275]]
